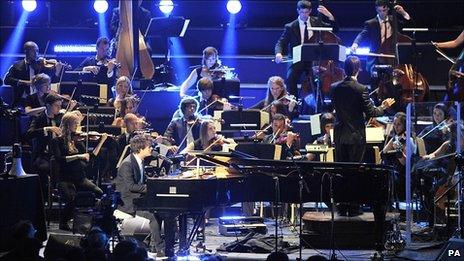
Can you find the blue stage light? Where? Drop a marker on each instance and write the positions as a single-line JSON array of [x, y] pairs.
[[100, 6], [234, 6], [29, 5], [166, 6], [75, 48]]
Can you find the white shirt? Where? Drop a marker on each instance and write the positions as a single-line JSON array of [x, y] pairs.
[[302, 28], [384, 25], [31, 76], [140, 163]]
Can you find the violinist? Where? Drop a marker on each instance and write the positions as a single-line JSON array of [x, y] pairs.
[[299, 32], [186, 128], [69, 151], [35, 103], [379, 29], [123, 89], [208, 102], [281, 135], [21, 73], [209, 62], [101, 65], [277, 92], [396, 146], [126, 105], [435, 134], [41, 130], [209, 140]]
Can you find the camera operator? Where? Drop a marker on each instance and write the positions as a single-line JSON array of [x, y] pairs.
[[130, 182]]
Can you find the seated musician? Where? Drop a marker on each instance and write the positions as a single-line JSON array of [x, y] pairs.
[[448, 146], [41, 130], [101, 65], [130, 182], [127, 105], [327, 124], [210, 61], [277, 91], [209, 140], [186, 128], [281, 135], [21, 73], [70, 152], [394, 153], [434, 135], [35, 103], [208, 102], [123, 89]]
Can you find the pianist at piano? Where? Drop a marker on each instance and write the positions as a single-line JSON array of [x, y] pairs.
[[130, 182]]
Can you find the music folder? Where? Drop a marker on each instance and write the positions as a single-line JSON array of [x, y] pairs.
[[315, 51]]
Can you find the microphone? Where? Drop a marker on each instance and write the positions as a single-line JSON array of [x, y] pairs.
[[157, 155]]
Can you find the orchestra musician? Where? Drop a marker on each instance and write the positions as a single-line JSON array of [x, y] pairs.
[[208, 102], [434, 135], [455, 93], [299, 32], [186, 128], [21, 73], [69, 151], [277, 92], [281, 135], [131, 183], [327, 124], [127, 105], [101, 65], [123, 89], [209, 62], [40, 132], [209, 140], [379, 29], [351, 102]]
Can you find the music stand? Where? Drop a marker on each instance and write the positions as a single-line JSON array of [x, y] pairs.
[[166, 27], [309, 52], [83, 88], [226, 87], [98, 114]]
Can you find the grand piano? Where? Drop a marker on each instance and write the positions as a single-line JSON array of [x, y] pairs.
[[247, 179]]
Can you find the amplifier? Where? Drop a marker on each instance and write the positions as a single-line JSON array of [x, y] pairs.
[[239, 225]]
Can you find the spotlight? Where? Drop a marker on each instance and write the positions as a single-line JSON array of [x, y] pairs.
[[234, 6], [100, 6], [166, 6], [29, 5]]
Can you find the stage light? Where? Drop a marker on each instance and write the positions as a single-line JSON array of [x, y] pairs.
[[100, 6], [75, 48], [234, 6], [166, 6], [29, 5]]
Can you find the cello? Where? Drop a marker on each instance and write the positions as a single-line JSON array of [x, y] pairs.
[[126, 45]]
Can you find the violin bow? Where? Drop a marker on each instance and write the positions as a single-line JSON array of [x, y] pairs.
[[70, 98]]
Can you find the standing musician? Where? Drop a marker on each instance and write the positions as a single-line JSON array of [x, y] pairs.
[[456, 73], [299, 32], [351, 102], [378, 30], [186, 128], [69, 151], [101, 65], [209, 62], [277, 94], [41, 131], [131, 183], [21, 73]]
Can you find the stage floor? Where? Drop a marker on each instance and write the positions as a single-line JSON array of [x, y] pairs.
[[418, 251]]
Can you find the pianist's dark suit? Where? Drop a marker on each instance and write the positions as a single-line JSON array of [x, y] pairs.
[[351, 101], [131, 184]]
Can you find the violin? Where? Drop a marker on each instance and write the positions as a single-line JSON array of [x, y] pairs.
[[105, 62], [49, 64]]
